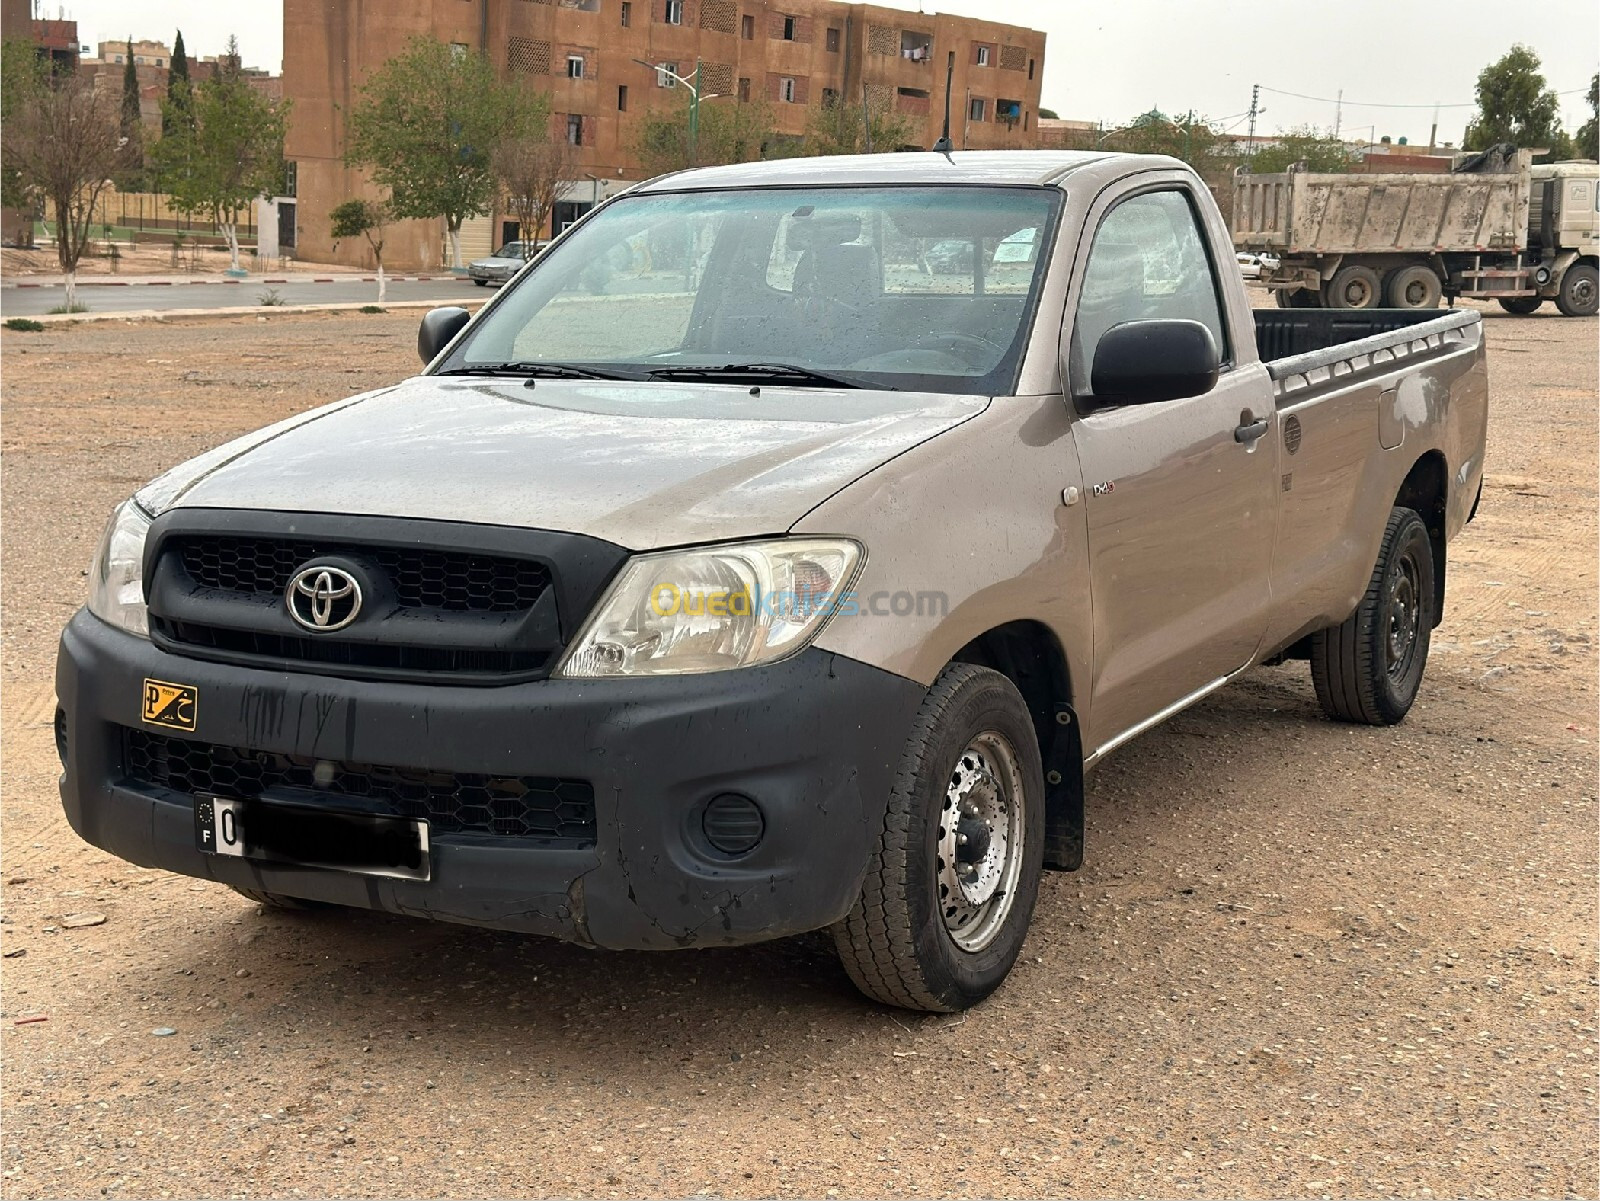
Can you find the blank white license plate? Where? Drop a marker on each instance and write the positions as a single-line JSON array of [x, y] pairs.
[[370, 844]]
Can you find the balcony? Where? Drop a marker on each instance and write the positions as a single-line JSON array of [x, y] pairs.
[[913, 101], [918, 47]]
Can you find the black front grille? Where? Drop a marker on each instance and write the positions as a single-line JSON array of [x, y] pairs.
[[384, 657], [555, 812], [448, 580]]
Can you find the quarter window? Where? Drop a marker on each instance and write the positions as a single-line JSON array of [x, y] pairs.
[[1149, 261]]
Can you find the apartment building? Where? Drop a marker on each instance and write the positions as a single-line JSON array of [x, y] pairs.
[[596, 60]]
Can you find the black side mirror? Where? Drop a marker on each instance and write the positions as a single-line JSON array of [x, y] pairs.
[[439, 326], [1141, 362]]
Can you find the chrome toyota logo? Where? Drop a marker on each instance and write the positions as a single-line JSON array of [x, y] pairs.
[[323, 598]]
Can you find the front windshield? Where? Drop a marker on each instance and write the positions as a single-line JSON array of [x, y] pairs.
[[511, 250], [895, 287]]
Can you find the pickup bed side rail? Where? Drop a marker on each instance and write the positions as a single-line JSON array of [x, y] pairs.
[[1374, 354]]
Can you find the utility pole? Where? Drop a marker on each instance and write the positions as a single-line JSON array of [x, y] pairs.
[[1255, 108], [1338, 112], [866, 117], [694, 117]]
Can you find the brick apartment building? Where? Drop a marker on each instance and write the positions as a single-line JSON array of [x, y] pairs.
[[795, 53]]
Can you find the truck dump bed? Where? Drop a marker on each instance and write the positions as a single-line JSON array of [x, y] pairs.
[[1304, 213]]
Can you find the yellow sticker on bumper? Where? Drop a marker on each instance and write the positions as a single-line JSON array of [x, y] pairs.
[[170, 705]]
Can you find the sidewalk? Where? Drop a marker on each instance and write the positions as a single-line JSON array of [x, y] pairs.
[[287, 277]]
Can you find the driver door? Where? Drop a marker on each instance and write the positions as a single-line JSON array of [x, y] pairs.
[[1181, 502]]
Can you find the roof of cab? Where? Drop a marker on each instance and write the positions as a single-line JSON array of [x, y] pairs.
[[992, 167]]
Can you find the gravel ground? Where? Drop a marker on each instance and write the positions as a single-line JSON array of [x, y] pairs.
[[1302, 959]]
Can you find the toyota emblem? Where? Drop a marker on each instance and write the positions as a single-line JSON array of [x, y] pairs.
[[323, 598]]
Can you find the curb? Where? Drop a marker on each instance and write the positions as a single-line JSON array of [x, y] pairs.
[[263, 312]]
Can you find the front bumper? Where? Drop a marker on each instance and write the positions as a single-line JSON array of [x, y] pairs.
[[814, 740]]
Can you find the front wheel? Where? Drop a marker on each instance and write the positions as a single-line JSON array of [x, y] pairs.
[[1368, 669], [950, 889], [1579, 295]]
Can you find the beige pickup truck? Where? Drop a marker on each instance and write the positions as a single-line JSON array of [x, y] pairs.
[[747, 566]]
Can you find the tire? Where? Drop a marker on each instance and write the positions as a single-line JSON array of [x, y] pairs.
[[1354, 287], [277, 900], [913, 939], [482, 283], [1369, 668], [1413, 287], [1299, 298], [1580, 292], [1521, 306]]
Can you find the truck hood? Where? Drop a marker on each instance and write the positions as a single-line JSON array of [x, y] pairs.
[[642, 465]]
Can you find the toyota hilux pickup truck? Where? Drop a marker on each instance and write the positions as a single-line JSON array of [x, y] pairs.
[[733, 574]]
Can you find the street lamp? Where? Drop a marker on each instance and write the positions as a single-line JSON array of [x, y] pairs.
[[694, 100]]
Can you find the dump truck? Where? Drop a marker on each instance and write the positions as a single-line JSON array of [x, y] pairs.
[[1494, 228]]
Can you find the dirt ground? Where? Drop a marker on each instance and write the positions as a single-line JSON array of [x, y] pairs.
[[145, 258], [1302, 959]]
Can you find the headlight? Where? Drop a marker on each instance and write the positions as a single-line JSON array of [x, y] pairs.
[[714, 608], [116, 578]]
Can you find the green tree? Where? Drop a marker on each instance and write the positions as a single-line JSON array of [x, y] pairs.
[[534, 171], [1586, 143], [426, 126], [178, 109], [834, 127], [1049, 114], [1515, 105], [1319, 151], [731, 131], [22, 77], [232, 153], [130, 179], [363, 219]]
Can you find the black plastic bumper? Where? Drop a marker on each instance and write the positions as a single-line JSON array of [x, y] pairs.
[[813, 740]]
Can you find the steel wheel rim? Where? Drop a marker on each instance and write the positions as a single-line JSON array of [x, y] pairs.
[[1402, 616], [1583, 293], [979, 855]]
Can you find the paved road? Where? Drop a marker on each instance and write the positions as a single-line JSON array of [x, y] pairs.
[[30, 302]]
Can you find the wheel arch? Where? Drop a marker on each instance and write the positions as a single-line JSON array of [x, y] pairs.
[[1029, 654], [1426, 489]]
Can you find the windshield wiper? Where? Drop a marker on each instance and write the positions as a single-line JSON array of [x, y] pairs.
[[783, 373], [532, 370]]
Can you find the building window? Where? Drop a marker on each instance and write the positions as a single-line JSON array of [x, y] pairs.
[[458, 51], [1030, 68], [575, 129], [786, 90], [622, 97], [832, 39], [975, 109], [788, 29], [744, 89], [159, 63], [574, 66], [674, 14], [666, 75], [983, 56], [627, 14], [747, 27]]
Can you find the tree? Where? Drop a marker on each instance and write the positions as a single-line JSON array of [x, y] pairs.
[[177, 110], [64, 143], [426, 126], [363, 219], [533, 172], [232, 153], [730, 131], [835, 127], [22, 76], [1303, 144], [1586, 143], [132, 126], [1049, 114], [1515, 106]]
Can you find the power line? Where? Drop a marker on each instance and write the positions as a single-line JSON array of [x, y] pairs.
[[1373, 104]]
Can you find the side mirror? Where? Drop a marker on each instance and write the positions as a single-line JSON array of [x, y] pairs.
[[439, 326], [1141, 362]]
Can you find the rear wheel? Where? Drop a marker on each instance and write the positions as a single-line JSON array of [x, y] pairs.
[[1521, 306], [1368, 669], [1579, 292], [950, 888], [1413, 287], [1354, 287], [1298, 298]]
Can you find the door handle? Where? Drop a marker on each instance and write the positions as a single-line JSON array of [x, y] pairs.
[[1248, 431]]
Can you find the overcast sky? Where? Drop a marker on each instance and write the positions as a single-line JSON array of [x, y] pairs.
[[1110, 62]]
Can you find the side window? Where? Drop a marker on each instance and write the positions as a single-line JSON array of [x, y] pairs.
[[1148, 261]]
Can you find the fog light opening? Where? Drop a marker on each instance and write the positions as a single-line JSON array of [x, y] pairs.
[[733, 824]]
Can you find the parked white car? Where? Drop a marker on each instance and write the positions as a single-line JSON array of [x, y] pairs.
[[1254, 266]]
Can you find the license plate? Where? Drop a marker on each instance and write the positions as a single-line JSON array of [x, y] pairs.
[[370, 844]]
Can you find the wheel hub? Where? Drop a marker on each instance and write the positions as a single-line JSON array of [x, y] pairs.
[[1403, 616], [979, 855]]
